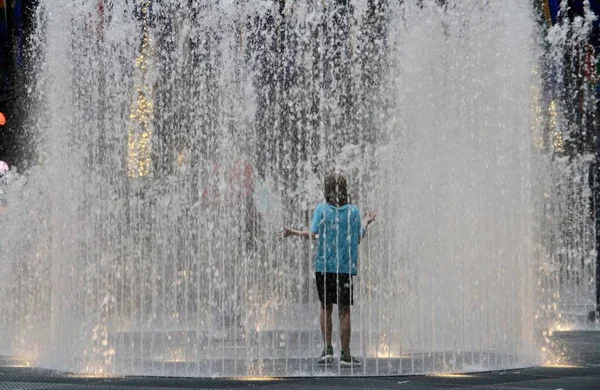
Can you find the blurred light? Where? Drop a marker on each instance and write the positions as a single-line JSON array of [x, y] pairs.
[[18, 363], [562, 328], [559, 365], [91, 376], [257, 378], [392, 355], [557, 138], [139, 140], [2, 119], [181, 159], [172, 361]]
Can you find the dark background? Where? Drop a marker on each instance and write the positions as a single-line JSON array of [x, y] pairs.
[[16, 24]]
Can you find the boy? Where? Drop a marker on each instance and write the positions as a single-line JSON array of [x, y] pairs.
[[337, 227]]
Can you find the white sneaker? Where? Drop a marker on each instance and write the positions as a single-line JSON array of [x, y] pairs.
[[326, 356]]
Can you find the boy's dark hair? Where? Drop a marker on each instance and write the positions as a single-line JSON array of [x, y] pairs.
[[336, 189]]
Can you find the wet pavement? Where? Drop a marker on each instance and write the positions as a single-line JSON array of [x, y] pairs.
[[577, 352]]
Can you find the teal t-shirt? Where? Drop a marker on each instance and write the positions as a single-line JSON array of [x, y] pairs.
[[339, 230]]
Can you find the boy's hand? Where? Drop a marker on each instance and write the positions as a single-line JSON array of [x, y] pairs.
[[370, 218], [286, 232]]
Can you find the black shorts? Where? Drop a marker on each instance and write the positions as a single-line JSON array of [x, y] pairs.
[[335, 288]]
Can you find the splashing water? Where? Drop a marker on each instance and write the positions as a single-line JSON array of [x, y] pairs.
[[175, 140]]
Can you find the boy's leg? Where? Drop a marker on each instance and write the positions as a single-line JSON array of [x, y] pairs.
[[346, 359], [326, 293], [345, 327], [326, 323], [345, 300]]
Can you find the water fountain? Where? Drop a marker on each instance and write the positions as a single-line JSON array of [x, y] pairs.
[[175, 140]]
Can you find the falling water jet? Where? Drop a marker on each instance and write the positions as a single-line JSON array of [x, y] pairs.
[[143, 243]]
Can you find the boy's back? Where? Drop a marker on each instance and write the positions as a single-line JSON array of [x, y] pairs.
[[339, 230]]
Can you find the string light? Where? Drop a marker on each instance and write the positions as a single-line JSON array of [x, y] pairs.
[[546, 10], [557, 138], [139, 140]]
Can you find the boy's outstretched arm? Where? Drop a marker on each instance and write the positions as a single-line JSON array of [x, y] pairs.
[[287, 232], [369, 219]]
